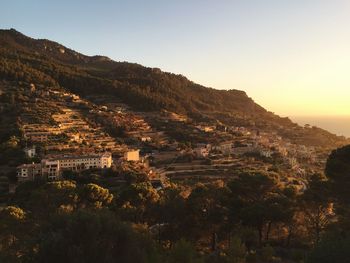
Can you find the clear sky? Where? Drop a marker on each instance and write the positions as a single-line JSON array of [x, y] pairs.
[[290, 56]]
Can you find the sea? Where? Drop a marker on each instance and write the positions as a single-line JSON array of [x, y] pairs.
[[339, 125]]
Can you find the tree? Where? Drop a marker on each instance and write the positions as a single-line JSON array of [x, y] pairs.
[[96, 236], [290, 210], [12, 142], [251, 197], [237, 251], [170, 210], [279, 209], [338, 172], [11, 152], [92, 195], [184, 252], [267, 254], [333, 247], [12, 228], [137, 200], [45, 199], [205, 212], [316, 206]]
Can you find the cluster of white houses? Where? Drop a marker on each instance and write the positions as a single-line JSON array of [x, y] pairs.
[[52, 168]]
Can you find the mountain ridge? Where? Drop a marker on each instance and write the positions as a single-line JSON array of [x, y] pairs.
[[52, 49], [46, 62]]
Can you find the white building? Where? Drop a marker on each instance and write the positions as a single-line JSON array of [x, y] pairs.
[[30, 151], [51, 168], [133, 155], [83, 162]]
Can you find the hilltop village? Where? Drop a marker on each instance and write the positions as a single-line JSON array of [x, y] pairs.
[[63, 132]]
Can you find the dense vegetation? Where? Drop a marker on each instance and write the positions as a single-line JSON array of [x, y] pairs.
[[250, 219]]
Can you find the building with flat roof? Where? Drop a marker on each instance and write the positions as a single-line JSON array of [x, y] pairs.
[[82, 162], [133, 155], [51, 168]]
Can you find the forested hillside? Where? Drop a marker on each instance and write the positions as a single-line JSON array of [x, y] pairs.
[[45, 62]]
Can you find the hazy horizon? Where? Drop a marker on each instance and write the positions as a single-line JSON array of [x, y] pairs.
[[339, 125]]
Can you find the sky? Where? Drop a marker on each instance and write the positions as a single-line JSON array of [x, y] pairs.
[[291, 56]]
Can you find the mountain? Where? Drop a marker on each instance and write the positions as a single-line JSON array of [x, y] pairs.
[[152, 87], [44, 62]]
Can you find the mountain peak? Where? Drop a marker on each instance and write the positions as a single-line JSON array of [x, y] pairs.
[[10, 31]]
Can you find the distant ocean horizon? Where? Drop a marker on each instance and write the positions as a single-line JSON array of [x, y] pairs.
[[339, 125]]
